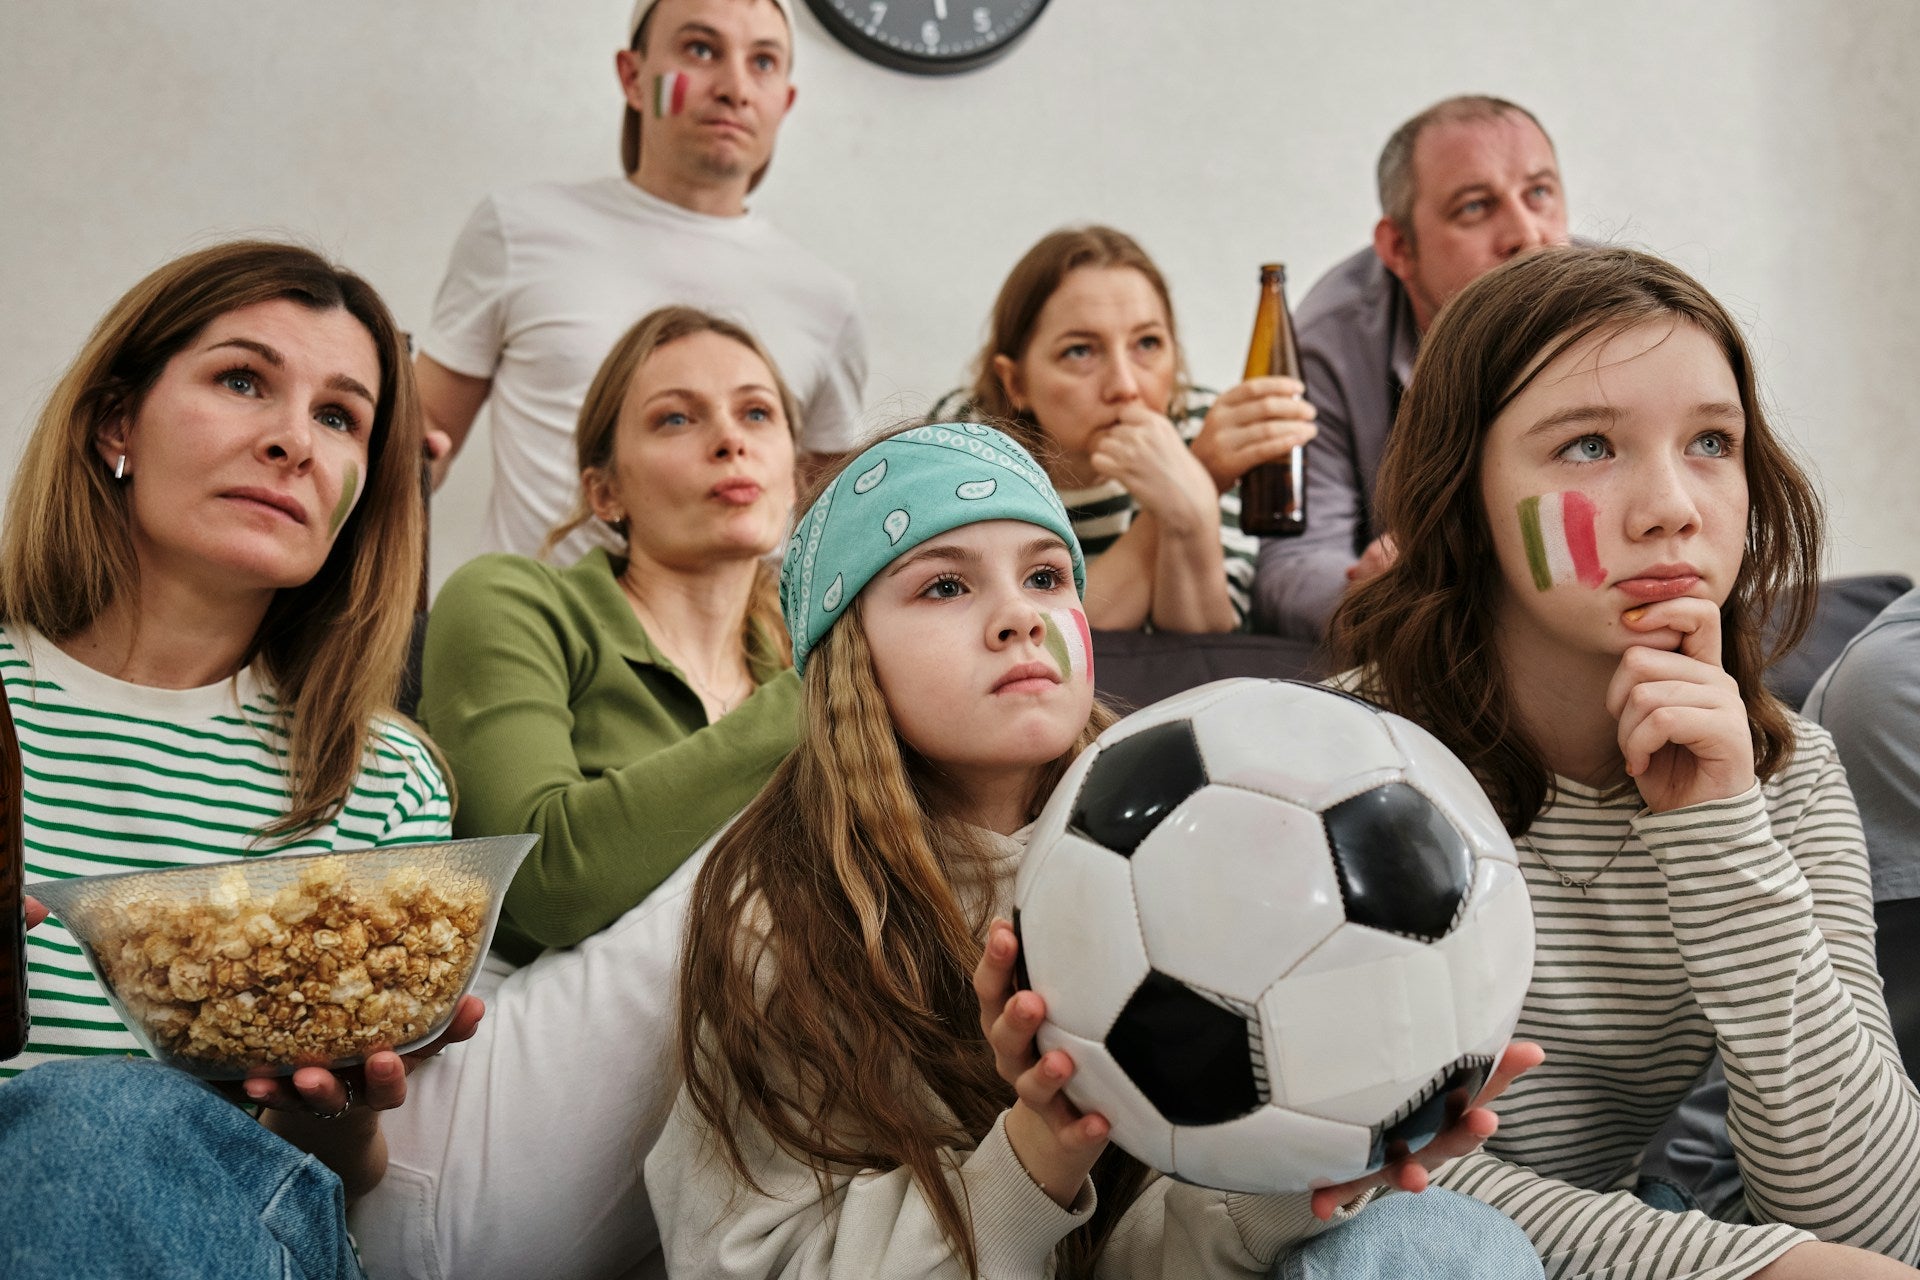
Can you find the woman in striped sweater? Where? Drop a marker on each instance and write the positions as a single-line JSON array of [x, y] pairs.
[[1082, 354], [1594, 517], [207, 576]]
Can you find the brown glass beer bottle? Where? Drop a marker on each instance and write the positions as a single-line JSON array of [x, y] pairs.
[[13, 923], [1273, 495]]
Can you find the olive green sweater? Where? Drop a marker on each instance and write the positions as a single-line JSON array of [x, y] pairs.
[[560, 717]]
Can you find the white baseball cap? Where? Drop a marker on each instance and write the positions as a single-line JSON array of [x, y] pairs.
[[642, 8]]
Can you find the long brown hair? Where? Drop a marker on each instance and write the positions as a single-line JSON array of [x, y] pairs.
[[1422, 632], [597, 430], [826, 987], [1033, 280], [332, 648]]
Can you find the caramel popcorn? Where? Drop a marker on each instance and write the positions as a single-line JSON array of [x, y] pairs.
[[316, 973]]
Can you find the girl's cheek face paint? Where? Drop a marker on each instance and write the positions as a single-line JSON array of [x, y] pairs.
[[349, 490], [1557, 531], [669, 94], [1070, 644]]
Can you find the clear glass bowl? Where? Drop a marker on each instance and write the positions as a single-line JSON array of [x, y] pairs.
[[258, 966]]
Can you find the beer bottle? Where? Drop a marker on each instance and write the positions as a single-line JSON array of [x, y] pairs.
[[13, 923], [1273, 495]]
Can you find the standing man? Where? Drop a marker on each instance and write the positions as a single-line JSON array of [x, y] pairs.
[[1464, 185], [545, 278]]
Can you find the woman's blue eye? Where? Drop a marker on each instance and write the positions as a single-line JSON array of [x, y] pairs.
[[245, 381], [337, 419], [674, 419], [1078, 351], [1586, 449], [1152, 342], [759, 414]]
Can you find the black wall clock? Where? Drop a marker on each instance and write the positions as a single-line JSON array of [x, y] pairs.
[[928, 37]]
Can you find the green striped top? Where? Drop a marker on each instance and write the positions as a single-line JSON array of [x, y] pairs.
[[1102, 513], [122, 777]]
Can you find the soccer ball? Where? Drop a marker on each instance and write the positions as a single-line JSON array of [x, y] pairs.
[[1278, 930]]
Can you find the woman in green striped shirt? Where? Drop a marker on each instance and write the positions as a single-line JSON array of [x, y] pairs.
[[207, 576]]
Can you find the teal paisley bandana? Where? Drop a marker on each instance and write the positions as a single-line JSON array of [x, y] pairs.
[[904, 490]]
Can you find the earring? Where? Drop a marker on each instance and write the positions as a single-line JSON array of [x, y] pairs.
[[120, 468]]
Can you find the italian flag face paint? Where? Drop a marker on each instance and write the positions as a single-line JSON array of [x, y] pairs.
[[669, 94], [1558, 531], [1070, 644]]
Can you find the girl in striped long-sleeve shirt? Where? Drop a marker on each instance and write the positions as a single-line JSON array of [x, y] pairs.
[[1594, 519]]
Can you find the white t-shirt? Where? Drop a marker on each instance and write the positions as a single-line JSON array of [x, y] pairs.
[[544, 279]]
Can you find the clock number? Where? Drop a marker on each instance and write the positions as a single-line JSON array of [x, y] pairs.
[[879, 10], [930, 34], [982, 21]]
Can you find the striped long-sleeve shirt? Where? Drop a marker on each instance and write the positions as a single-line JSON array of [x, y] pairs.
[[123, 777], [1744, 923]]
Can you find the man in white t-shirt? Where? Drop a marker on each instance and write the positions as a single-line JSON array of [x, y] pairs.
[[545, 278]]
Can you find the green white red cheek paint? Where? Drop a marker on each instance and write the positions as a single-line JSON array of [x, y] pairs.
[[669, 94], [1070, 643], [349, 490], [1557, 529]]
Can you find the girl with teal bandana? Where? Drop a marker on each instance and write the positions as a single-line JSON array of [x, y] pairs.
[[862, 1093]]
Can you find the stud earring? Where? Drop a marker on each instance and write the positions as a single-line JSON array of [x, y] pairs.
[[120, 468]]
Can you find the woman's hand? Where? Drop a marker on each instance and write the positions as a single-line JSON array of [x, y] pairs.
[[1144, 452], [335, 1116], [1056, 1143], [1261, 420], [1683, 728], [1465, 1133], [35, 912], [379, 1084]]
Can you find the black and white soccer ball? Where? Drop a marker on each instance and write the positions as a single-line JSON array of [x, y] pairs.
[[1277, 929]]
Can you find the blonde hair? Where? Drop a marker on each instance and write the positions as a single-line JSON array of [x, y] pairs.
[[333, 647], [826, 990], [597, 431]]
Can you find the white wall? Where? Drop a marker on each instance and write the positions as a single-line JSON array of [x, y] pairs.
[[1767, 145]]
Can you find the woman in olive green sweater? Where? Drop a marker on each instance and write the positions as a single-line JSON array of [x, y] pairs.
[[623, 709]]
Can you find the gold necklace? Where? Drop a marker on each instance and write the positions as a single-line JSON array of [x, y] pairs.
[[655, 632], [1568, 880]]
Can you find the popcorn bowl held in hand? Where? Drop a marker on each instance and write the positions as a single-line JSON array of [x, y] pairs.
[[258, 966]]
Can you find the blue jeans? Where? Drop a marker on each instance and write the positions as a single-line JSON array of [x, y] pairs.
[[1429, 1236], [117, 1167]]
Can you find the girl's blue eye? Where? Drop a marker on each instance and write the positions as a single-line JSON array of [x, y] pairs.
[[1586, 449], [1045, 579], [945, 589], [1714, 444]]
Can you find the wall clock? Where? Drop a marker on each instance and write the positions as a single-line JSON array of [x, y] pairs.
[[928, 37]]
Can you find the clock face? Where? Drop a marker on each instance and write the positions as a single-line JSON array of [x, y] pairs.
[[928, 37]]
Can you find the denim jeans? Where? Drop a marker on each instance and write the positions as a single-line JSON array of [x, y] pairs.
[[118, 1167], [1431, 1236]]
